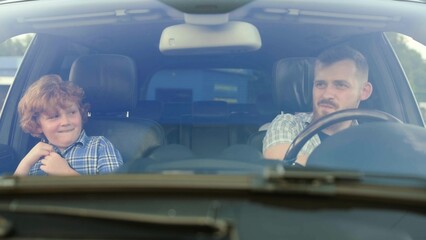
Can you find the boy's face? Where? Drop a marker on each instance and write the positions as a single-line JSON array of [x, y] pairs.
[[61, 127]]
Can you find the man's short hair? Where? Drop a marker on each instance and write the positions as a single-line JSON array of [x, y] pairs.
[[46, 95], [343, 52]]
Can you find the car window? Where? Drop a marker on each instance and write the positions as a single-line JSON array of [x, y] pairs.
[[412, 56], [229, 85], [183, 100], [11, 54], [211, 92], [165, 119]]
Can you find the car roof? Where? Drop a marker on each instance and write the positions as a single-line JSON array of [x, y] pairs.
[[347, 17]]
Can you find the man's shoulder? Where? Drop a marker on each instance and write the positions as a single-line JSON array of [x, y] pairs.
[[304, 116], [297, 117]]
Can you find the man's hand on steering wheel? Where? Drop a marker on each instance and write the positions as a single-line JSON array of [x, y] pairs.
[[328, 120]]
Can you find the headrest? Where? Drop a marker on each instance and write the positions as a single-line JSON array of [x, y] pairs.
[[293, 84], [109, 81]]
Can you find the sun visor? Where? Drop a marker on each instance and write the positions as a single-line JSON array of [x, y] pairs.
[[229, 37]]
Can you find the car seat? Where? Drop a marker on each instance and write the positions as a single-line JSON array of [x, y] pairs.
[[292, 84], [206, 131], [110, 86]]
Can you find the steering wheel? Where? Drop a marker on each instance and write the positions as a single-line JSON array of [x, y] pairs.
[[328, 120]]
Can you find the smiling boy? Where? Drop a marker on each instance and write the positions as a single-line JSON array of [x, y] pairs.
[[52, 110]]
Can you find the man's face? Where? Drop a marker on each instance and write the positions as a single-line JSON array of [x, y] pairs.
[[337, 87], [61, 127]]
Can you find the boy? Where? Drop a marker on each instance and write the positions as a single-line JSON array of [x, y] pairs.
[[52, 110]]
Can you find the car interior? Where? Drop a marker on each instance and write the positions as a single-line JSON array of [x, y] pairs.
[[110, 84], [143, 113], [186, 90], [203, 102]]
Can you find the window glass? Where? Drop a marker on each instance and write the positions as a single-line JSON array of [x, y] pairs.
[[11, 54], [228, 85], [412, 56], [233, 92]]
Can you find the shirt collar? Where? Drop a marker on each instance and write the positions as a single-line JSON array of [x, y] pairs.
[[309, 118], [81, 140]]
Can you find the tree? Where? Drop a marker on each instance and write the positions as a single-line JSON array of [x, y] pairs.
[[15, 46], [412, 62]]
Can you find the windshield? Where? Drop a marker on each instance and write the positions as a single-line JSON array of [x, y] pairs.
[[160, 87], [207, 119]]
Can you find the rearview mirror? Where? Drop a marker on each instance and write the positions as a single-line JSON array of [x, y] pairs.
[[229, 37]]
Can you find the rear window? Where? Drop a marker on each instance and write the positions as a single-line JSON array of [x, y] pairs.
[[238, 95], [228, 85]]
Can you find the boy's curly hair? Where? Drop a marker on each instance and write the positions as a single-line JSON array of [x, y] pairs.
[[46, 95]]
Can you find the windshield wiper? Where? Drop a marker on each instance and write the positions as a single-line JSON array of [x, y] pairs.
[[309, 181], [161, 225], [346, 183]]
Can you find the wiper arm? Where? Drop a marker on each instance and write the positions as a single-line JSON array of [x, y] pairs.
[[330, 176], [306, 175], [309, 181], [217, 228], [345, 183]]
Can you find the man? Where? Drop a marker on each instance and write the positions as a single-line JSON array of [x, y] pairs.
[[341, 82]]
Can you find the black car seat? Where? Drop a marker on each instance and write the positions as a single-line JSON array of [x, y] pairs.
[[293, 80], [206, 130], [292, 84], [110, 86]]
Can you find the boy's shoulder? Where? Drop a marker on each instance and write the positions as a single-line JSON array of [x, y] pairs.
[[94, 140]]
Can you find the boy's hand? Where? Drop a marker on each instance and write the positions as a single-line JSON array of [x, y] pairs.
[[40, 150], [54, 164]]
